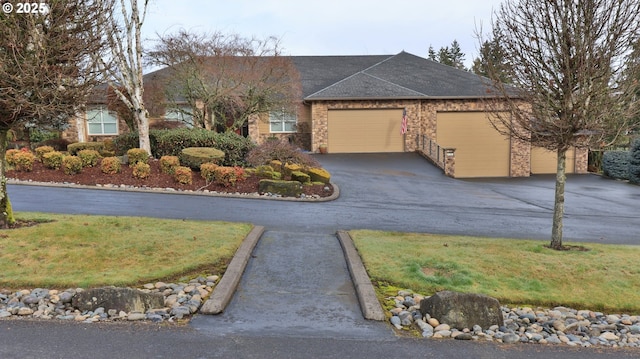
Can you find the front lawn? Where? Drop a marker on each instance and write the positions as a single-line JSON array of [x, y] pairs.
[[63, 251], [606, 277]]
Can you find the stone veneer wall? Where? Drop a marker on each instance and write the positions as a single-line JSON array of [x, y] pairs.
[[582, 160], [259, 129]]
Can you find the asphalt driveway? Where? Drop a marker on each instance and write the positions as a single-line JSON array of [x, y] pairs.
[[396, 192], [414, 195]]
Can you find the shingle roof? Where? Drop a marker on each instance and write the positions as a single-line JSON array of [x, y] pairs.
[[364, 77], [401, 76]]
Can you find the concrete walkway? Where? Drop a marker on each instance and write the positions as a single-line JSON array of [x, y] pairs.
[[295, 284]]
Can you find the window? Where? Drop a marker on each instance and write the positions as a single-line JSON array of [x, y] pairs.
[[181, 114], [282, 121], [101, 121]]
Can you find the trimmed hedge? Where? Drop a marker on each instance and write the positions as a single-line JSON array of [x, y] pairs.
[[615, 164], [194, 157], [71, 165], [52, 160], [170, 142], [634, 162], [74, 148], [110, 165]]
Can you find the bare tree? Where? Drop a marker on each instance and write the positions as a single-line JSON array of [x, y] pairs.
[[46, 72], [123, 63], [225, 79], [567, 58]]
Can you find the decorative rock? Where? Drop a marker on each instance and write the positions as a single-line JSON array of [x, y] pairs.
[[125, 299], [608, 336], [464, 336], [510, 338], [433, 322], [136, 316], [463, 310]]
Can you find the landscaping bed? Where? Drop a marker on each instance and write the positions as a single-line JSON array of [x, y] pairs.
[[156, 179]]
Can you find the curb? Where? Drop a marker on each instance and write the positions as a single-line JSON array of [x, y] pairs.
[[334, 195], [369, 304], [223, 292]]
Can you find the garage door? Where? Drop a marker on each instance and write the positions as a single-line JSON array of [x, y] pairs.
[[480, 150], [545, 161], [360, 131]]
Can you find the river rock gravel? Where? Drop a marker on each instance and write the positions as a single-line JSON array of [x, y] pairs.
[[180, 301], [560, 325]]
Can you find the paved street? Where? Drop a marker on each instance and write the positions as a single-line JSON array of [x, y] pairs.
[[295, 298]]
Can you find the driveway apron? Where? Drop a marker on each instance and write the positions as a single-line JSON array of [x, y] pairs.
[[295, 285]]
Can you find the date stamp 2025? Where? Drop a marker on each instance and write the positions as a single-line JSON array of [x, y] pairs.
[[25, 8]]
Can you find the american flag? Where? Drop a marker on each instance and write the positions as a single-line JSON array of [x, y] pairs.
[[403, 128]]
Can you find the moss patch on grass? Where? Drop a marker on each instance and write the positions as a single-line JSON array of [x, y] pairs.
[[89, 251], [605, 277]]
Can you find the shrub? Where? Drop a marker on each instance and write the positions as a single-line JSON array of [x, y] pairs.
[[281, 151], [141, 170], [110, 165], [193, 157], [634, 162], [183, 175], [300, 177], [207, 171], [168, 164], [71, 165], [289, 168], [172, 142], [319, 175], [74, 148], [40, 151], [90, 158], [267, 172], [137, 155], [615, 164], [228, 176], [23, 160], [235, 148], [52, 159], [58, 144], [9, 156], [126, 141]]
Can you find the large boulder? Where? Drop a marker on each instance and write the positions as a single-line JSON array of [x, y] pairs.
[[120, 299], [463, 310]]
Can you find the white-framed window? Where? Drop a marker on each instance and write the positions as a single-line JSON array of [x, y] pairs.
[[181, 114], [282, 122], [101, 121]]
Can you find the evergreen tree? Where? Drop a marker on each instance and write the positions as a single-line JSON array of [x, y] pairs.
[[451, 56]]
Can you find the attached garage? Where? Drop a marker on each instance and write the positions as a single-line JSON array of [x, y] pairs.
[[480, 150], [362, 131], [544, 161]]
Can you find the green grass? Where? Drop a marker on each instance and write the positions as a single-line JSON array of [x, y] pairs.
[[89, 251], [606, 277]]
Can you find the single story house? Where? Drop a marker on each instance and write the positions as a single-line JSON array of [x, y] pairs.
[[356, 104]]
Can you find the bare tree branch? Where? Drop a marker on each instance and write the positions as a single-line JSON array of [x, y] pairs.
[[225, 79]]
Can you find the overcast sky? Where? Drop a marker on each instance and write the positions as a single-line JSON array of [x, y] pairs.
[[332, 27]]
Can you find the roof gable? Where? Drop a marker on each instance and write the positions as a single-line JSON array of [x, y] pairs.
[[396, 76]]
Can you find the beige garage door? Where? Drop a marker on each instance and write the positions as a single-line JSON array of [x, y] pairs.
[[480, 150], [360, 131], [545, 161]]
